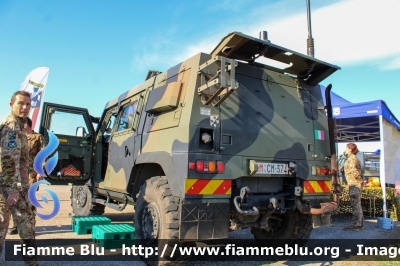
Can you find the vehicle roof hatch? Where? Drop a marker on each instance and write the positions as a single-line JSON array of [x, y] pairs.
[[242, 47]]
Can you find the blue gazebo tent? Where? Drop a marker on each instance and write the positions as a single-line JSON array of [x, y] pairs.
[[359, 121], [370, 121]]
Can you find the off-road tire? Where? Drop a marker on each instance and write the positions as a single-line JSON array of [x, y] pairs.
[[81, 202], [156, 218], [295, 228]]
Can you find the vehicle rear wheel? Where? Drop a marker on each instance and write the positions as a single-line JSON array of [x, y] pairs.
[[294, 226], [156, 215], [81, 202]]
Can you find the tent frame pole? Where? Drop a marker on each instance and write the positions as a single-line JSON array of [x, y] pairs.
[[382, 166]]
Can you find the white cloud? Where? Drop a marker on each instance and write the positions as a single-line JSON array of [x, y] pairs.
[[350, 32], [392, 64], [359, 30]]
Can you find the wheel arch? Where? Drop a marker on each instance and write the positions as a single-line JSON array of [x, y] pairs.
[[152, 164]]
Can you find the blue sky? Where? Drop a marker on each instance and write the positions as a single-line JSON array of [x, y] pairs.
[[97, 50]]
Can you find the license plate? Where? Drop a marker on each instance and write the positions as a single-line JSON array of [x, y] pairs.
[[272, 168]]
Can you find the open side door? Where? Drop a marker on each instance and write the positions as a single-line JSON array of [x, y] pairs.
[[74, 130]]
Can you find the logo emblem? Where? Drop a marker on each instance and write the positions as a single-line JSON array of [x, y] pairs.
[[35, 202], [43, 154], [336, 111], [12, 144], [12, 135], [214, 120], [38, 167]]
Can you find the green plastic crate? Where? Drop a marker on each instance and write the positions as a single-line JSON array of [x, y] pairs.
[[114, 235], [83, 224]]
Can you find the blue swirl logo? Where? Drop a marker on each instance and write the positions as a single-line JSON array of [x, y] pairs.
[[35, 202], [44, 153], [38, 167]]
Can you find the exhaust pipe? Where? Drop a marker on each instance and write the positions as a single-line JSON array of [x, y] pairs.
[[332, 139], [327, 207]]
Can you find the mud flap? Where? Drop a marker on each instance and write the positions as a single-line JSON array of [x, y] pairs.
[[323, 220], [201, 220]]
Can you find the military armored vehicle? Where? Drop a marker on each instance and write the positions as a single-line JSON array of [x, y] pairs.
[[216, 143]]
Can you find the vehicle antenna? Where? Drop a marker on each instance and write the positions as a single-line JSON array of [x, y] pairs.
[[310, 40]]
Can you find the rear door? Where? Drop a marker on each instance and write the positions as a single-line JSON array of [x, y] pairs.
[[267, 117], [71, 160]]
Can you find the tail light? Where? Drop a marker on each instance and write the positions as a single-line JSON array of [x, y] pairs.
[[211, 167], [325, 171], [207, 167], [220, 167], [199, 166], [319, 170], [313, 170]]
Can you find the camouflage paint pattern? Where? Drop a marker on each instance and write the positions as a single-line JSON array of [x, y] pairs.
[[354, 177], [355, 200], [271, 117], [35, 144], [24, 220], [14, 158], [13, 154], [353, 171]]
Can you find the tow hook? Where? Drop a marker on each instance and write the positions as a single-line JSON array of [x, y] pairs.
[[243, 192], [272, 205]]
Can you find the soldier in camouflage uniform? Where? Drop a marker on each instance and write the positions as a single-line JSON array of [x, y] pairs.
[[14, 181], [35, 144], [354, 176]]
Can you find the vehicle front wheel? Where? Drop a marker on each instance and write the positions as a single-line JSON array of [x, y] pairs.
[[156, 214], [81, 202]]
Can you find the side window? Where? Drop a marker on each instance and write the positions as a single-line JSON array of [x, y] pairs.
[[125, 119], [66, 123]]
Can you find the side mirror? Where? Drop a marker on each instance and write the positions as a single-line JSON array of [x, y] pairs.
[[81, 132]]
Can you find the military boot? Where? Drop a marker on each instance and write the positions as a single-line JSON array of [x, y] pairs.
[[352, 228], [13, 230]]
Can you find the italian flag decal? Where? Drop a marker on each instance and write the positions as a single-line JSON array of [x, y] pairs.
[[319, 134]]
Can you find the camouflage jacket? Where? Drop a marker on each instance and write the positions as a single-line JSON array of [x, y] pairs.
[[35, 144], [352, 170], [14, 154]]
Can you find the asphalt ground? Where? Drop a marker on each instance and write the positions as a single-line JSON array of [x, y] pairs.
[[59, 228]]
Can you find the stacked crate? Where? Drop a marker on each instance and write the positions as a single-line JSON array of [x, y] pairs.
[[113, 235], [83, 224], [104, 233]]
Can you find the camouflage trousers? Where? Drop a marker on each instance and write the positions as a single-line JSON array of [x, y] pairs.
[[24, 218], [355, 200], [32, 179]]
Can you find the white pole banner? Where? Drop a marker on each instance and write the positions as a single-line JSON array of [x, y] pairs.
[[35, 84]]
